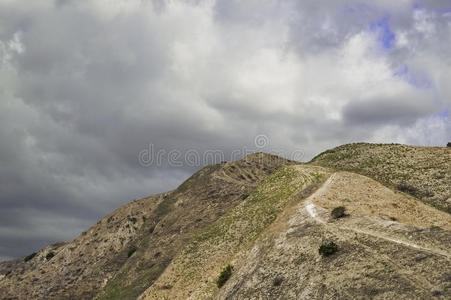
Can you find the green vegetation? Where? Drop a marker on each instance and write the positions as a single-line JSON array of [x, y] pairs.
[[448, 145], [237, 229], [277, 281], [338, 212], [244, 223], [224, 276], [166, 287], [317, 176], [131, 252], [328, 248], [29, 257], [422, 172], [116, 291], [322, 153], [50, 255], [409, 189], [403, 187], [147, 269]]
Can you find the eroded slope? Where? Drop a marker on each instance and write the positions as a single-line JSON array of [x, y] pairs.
[[183, 213], [377, 258], [390, 245], [193, 273], [78, 269], [126, 251]]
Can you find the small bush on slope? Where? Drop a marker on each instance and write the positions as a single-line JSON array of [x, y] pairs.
[[328, 248], [338, 212], [50, 255], [131, 252], [277, 281], [30, 257], [224, 276]]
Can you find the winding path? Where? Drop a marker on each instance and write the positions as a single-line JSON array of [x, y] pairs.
[[312, 211]]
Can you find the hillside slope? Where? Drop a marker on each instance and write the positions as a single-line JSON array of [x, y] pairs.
[[193, 273], [266, 217], [124, 252], [184, 213], [377, 256], [79, 268], [424, 172]]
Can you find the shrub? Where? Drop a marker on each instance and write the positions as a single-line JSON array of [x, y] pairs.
[[277, 281], [224, 276], [49, 255], [448, 145], [403, 187], [131, 252], [166, 287], [328, 248], [29, 257], [338, 212]]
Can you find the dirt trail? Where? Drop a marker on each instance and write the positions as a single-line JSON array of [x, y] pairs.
[[315, 212]]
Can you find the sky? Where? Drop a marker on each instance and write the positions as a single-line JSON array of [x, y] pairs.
[[107, 101]]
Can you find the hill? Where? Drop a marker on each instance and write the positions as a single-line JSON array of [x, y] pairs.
[[423, 172], [389, 244], [126, 251], [338, 227]]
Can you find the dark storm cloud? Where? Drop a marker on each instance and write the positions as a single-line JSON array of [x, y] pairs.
[[85, 86], [374, 112]]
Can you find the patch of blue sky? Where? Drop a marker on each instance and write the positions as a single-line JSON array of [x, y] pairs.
[[418, 80], [384, 34], [443, 8], [401, 72], [444, 114], [359, 8]]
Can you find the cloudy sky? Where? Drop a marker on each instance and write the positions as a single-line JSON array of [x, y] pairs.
[[90, 89]]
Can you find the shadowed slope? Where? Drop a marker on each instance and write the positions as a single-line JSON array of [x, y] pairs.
[[125, 251], [198, 202], [79, 268]]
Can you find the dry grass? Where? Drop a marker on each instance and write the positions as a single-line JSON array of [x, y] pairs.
[[193, 272], [425, 172], [365, 197]]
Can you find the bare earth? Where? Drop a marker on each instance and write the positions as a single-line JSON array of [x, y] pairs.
[[266, 217]]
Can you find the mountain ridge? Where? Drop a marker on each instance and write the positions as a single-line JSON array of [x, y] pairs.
[[174, 245]]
